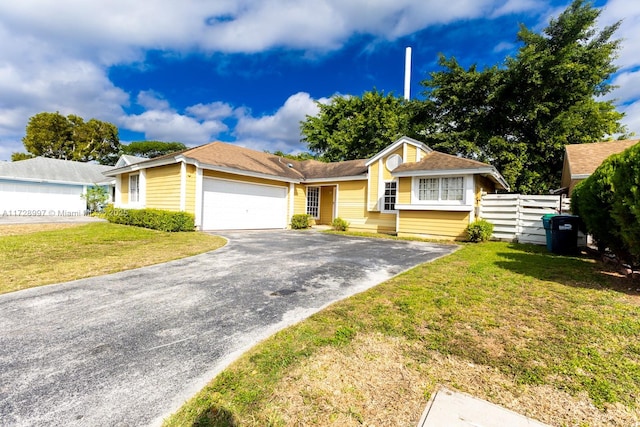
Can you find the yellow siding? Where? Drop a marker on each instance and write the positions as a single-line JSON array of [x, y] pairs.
[[163, 188], [373, 186], [433, 224], [299, 199], [326, 205], [190, 201], [412, 153], [124, 188], [404, 190], [352, 207], [482, 184], [233, 177]]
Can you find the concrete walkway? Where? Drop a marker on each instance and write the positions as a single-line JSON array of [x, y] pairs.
[[128, 349], [455, 409]]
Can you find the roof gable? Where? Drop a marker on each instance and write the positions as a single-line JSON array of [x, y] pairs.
[[127, 159], [584, 159], [391, 148], [55, 170], [436, 163], [233, 157]]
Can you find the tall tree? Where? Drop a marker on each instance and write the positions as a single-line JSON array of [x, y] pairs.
[[353, 127], [151, 149], [71, 138], [16, 157], [520, 116]]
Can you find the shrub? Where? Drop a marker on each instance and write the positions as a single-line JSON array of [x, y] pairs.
[[340, 224], [155, 219], [300, 221], [625, 208], [608, 202], [592, 201], [96, 198], [479, 231]]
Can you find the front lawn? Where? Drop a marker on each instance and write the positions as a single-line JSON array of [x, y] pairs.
[[554, 338], [35, 255]]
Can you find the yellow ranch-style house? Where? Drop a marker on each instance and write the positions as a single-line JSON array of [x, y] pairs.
[[407, 189]]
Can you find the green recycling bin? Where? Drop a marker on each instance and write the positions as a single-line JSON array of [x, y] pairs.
[[546, 222], [564, 234]]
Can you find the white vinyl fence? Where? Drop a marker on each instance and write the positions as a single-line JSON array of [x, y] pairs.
[[517, 217]]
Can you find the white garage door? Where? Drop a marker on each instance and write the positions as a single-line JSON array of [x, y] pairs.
[[231, 205], [45, 199]]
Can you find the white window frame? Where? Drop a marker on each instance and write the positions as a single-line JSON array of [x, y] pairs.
[[467, 191], [137, 187], [313, 203], [383, 201]]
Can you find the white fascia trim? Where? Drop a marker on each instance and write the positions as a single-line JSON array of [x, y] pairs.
[[199, 183], [580, 176], [52, 181], [379, 196], [444, 172], [118, 201], [395, 145], [339, 179], [500, 179], [246, 173], [183, 186], [142, 190], [456, 208], [143, 165], [292, 193], [448, 172], [336, 194]]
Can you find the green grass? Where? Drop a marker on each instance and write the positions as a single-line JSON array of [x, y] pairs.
[[38, 258], [532, 317]]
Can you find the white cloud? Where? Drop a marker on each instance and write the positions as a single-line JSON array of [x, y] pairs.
[[152, 100], [212, 111], [116, 30], [198, 126], [55, 56], [628, 89], [516, 6], [504, 46], [629, 13], [632, 118], [282, 129]]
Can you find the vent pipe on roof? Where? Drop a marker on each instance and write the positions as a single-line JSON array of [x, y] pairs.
[[407, 74]]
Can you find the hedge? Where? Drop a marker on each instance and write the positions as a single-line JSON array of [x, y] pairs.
[[608, 202], [155, 219]]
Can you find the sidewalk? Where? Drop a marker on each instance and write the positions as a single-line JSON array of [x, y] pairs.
[[455, 409]]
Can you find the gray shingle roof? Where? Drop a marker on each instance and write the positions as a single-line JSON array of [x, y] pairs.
[[53, 170]]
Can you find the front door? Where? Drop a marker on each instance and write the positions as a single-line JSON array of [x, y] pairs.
[[327, 204]]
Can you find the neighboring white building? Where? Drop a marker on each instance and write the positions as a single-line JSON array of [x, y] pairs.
[[43, 186]]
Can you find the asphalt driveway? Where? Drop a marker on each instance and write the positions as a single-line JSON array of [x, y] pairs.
[[128, 349]]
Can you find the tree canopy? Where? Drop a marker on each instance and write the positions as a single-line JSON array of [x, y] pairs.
[[517, 115], [70, 138], [349, 128], [151, 149]]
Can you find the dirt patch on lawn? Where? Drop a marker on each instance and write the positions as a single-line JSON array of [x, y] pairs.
[[373, 381], [16, 229]]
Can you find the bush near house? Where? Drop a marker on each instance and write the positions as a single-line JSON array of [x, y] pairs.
[[609, 204], [155, 219], [340, 224], [300, 221], [479, 231]]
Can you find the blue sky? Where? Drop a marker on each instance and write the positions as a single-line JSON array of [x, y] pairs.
[[247, 71]]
